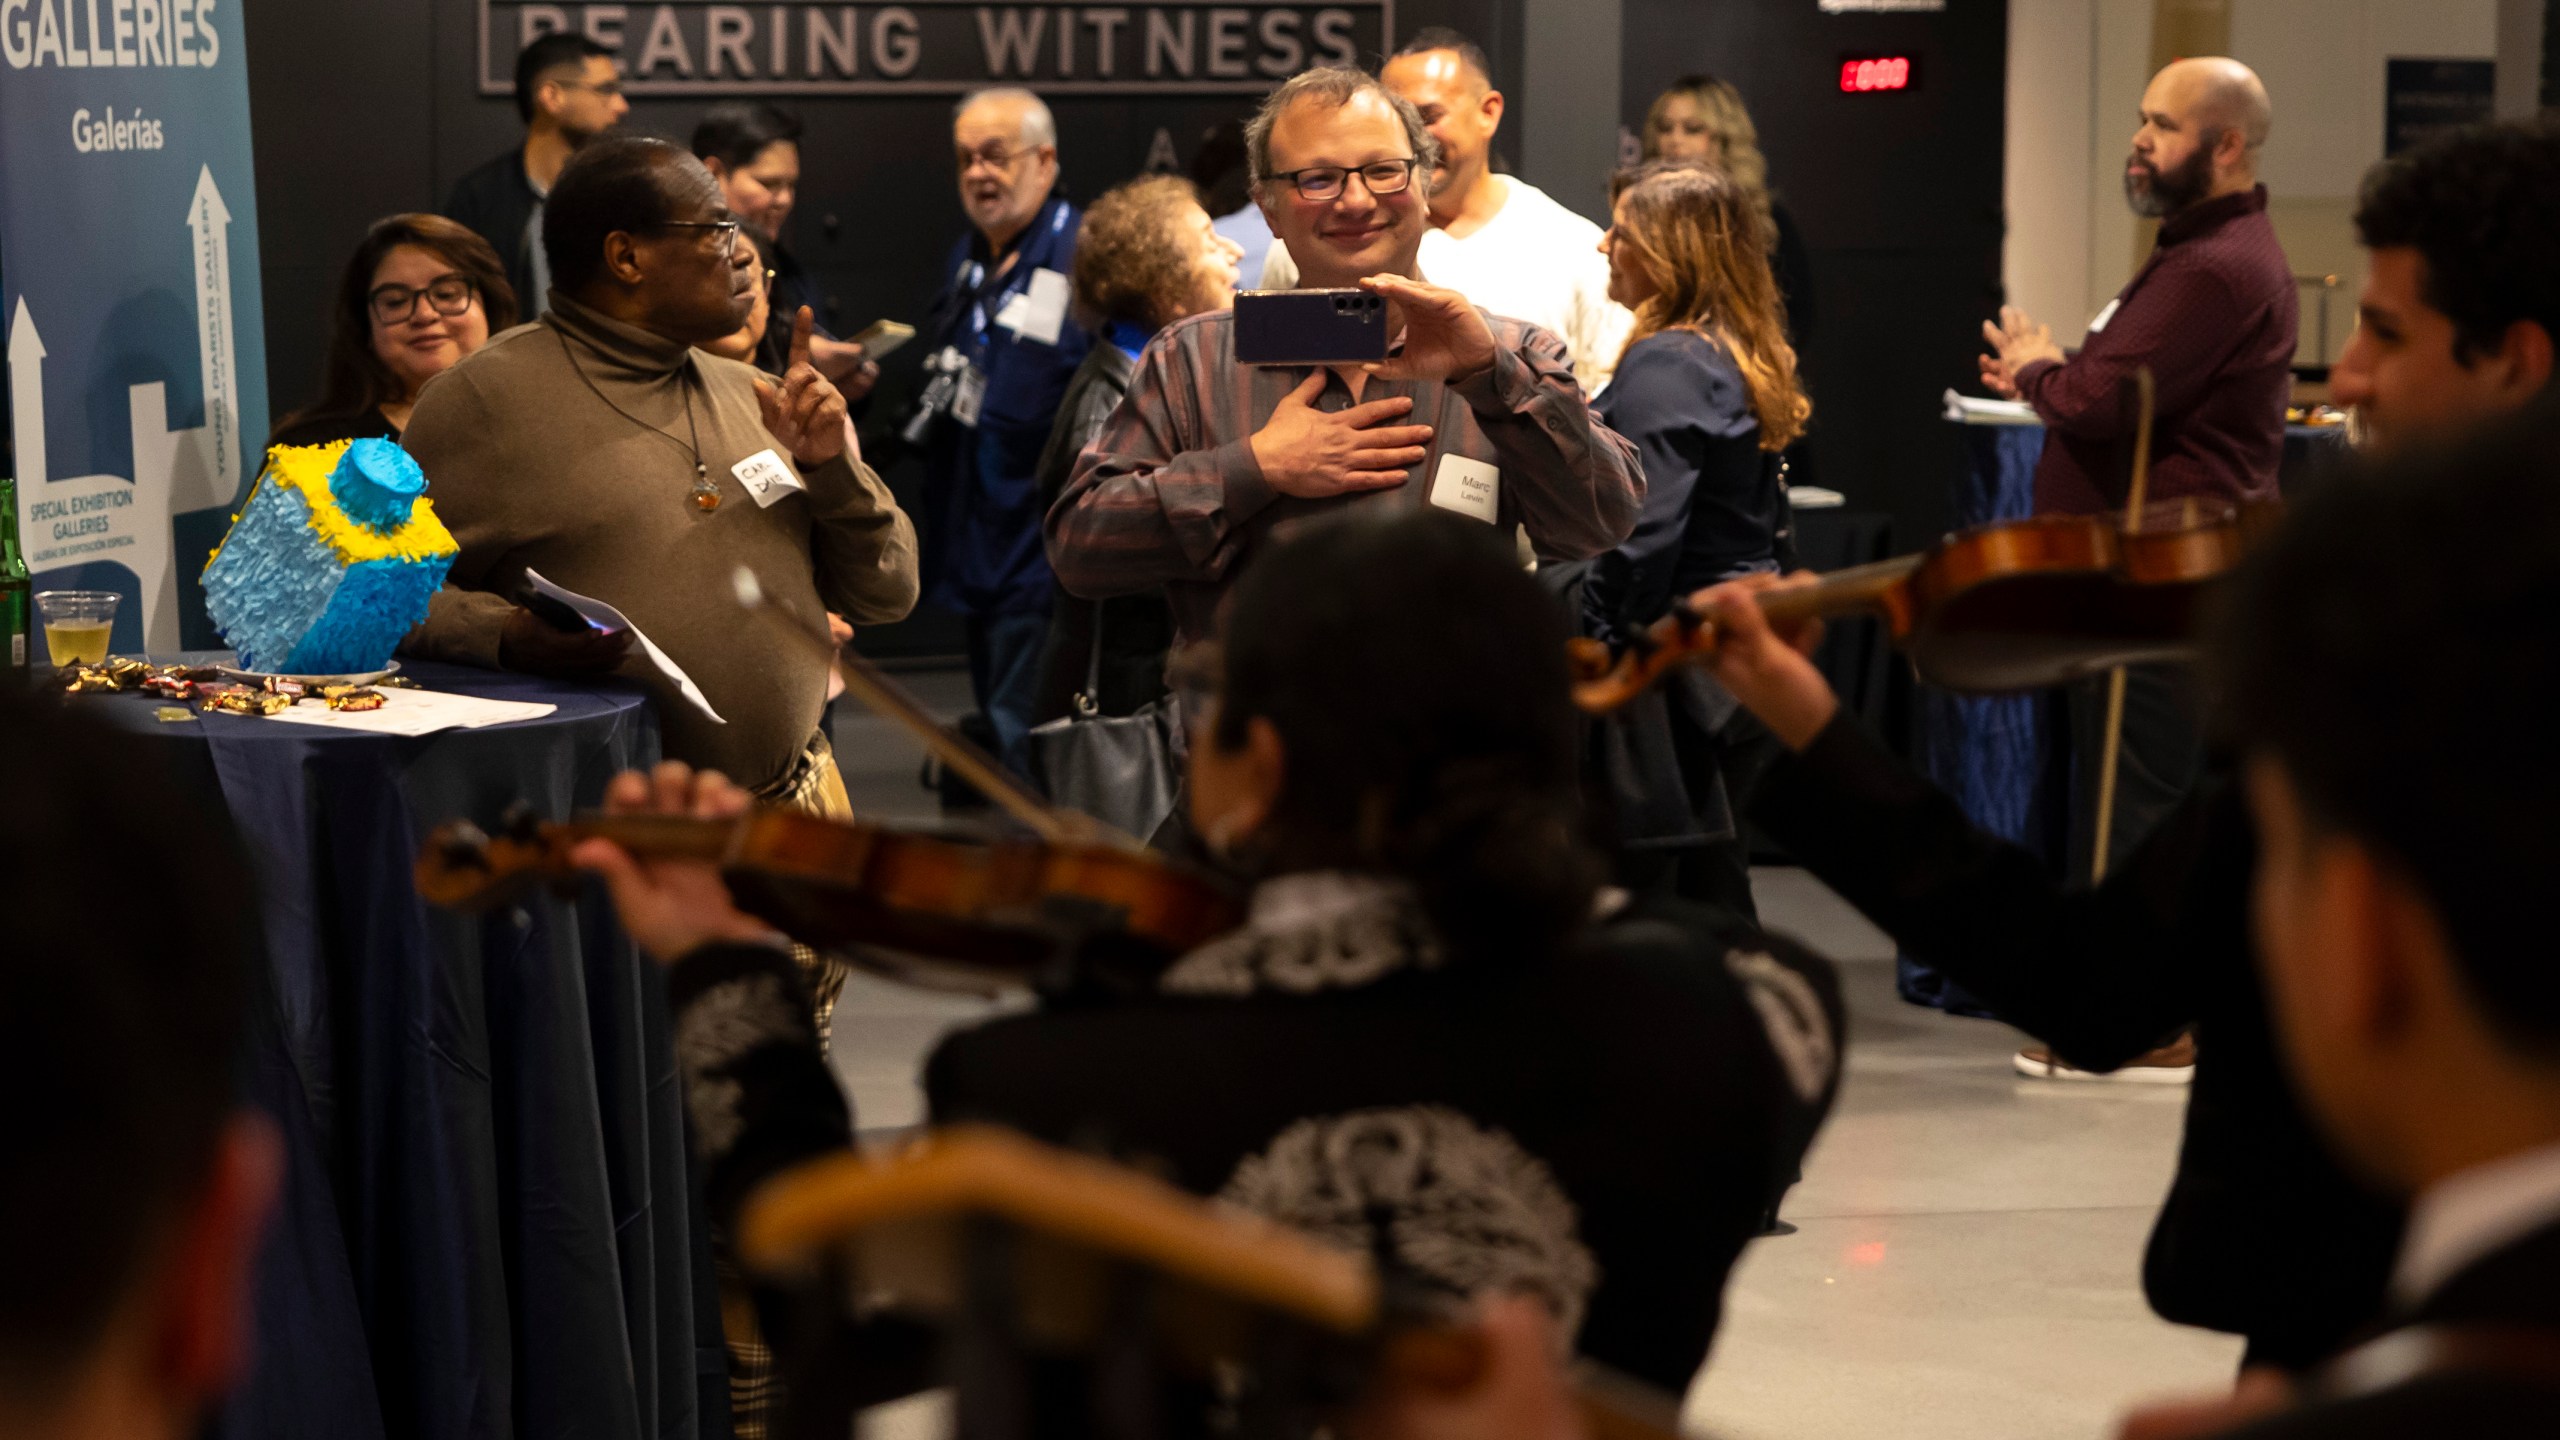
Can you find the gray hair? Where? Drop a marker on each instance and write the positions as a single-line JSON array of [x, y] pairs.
[[1038, 126], [1335, 86]]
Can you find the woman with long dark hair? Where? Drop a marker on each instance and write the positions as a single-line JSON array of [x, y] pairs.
[[1707, 390], [1433, 1040], [419, 293]]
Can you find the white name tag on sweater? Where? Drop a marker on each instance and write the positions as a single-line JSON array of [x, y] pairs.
[[2104, 316], [766, 477], [1470, 487]]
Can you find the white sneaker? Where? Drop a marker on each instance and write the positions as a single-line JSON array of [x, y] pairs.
[[2171, 1064]]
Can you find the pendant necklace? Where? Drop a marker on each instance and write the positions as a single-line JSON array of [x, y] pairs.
[[705, 495]]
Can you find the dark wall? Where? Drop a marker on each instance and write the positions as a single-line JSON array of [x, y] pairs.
[[1899, 199], [365, 109]]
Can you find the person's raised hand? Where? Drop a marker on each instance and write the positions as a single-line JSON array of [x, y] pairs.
[[1315, 454], [1515, 1390], [532, 645], [1445, 337], [672, 907], [2016, 342], [806, 413], [1768, 668]]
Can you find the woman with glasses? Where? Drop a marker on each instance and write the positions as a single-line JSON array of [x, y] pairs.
[[420, 293]]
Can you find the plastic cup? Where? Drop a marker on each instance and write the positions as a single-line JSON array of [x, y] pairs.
[[76, 624]]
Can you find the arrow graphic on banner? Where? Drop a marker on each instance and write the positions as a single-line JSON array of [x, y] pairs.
[[26, 400], [174, 470], [210, 224]]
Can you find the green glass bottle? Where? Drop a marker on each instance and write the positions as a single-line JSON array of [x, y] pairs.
[[17, 599]]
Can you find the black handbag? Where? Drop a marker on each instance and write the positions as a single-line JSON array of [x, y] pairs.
[[1124, 770]]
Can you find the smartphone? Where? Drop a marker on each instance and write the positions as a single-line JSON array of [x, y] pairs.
[[882, 336], [1310, 327]]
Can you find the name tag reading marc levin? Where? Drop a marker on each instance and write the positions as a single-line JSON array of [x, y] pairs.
[[1470, 487], [766, 477]]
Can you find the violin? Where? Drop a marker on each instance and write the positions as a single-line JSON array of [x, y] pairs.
[[1073, 902], [940, 909], [2013, 606]]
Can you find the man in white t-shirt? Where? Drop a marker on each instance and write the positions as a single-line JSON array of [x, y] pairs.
[[1495, 239]]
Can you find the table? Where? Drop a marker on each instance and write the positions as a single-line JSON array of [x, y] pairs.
[[489, 1225], [2006, 758]]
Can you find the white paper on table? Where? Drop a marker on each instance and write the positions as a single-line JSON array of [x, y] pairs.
[[416, 712], [612, 619], [1975, 410]]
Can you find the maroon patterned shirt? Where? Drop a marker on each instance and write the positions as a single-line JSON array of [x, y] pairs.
[[2212, 313], [1169, 493]]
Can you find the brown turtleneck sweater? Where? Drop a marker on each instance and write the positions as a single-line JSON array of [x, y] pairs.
[[562, 446]]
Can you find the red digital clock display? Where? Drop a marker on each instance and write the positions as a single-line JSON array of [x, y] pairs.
[[1867, 74]]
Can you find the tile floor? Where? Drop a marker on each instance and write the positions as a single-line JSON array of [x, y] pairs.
[[1968, 1243]]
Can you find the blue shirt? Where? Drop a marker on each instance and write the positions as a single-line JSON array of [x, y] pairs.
[[981, 536]]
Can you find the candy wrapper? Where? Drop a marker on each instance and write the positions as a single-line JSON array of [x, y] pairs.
[[353, 697]]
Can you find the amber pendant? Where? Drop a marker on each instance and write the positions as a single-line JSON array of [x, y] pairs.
[[705, 495]]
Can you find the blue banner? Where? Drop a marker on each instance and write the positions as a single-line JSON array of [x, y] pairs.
[[129, 296]]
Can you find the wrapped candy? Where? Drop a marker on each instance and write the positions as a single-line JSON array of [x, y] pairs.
[[354, 697]]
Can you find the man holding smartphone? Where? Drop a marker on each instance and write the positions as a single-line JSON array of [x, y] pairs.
[[1467, 411]]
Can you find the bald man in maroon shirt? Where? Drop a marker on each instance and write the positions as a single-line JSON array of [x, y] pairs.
[[2211, 313]]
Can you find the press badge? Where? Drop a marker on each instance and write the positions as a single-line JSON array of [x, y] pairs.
[[1038, 311], [1470, 487], [970, 397], [766, 477]]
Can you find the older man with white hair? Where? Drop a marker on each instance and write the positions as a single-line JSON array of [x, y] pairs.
[[1003, 350]]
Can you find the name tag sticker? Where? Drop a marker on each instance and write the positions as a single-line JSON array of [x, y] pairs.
[[766, 477], [1044, 309], [970, 397], [2104, 316], [1470, 487]]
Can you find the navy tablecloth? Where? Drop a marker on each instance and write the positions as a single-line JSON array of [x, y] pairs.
[[2005, 757], [490, 1225]]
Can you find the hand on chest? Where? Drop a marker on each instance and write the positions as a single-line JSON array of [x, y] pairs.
[[1456, 469]]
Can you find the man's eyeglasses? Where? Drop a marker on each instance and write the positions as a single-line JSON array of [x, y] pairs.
[[724, 233], [1325, 182], [448, 295], [994, 157], [609, 89]]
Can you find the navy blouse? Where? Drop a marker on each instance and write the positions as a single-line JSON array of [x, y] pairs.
[[1712, 501]]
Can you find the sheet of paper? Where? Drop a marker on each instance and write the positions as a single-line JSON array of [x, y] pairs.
[[416, 712], [1977, 410], [612, 619]]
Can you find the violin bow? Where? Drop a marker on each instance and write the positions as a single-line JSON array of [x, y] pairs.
[[867, 683], [2136, 495]]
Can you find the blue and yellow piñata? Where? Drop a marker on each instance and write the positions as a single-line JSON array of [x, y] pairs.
[[331, 561]]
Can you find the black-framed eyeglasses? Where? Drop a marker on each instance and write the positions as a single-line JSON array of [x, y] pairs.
[[1325, 182], [447, 295], [725, 232]]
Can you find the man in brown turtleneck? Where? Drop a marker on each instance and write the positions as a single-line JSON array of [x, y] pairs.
[[586, 446]]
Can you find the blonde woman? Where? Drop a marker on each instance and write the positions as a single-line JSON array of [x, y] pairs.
[[1703, 119], [1707, 392]]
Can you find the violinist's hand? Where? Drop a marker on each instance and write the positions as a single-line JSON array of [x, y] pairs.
[[1767, 668], [2262, 1392], [672, 907], [807, 413], [1517, 1393], [1445, 337]]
